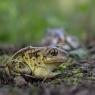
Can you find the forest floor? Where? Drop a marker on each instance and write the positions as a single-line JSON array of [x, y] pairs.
[[77, 79]]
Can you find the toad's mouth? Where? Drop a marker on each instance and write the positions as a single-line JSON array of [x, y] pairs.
[[55, 60]]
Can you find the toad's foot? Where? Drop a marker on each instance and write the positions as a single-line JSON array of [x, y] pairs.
[[20, 81]]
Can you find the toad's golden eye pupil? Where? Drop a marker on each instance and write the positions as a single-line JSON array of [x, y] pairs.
[[54, 52]]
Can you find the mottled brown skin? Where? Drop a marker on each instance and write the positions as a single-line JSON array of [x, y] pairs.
[[32, 62], [38, 62]]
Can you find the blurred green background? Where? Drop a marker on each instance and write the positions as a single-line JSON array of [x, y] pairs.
[[26, 20]]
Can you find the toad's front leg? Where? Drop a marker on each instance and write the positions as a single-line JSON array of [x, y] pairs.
[[43, 73]]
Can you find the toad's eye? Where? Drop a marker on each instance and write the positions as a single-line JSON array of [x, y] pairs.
[[54, 52]]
